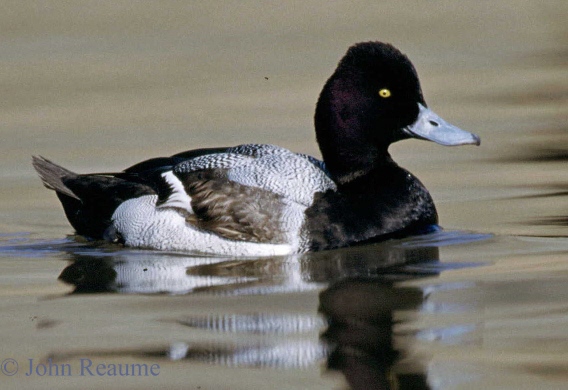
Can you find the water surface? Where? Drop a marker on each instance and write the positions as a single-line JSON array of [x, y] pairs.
[[100, 86]]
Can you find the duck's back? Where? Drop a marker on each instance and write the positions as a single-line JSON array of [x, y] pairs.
[[293, 176]]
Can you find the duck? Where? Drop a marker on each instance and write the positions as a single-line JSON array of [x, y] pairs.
[[265, 200]]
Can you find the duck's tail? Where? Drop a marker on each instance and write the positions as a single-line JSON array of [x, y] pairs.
[[52, 175], [88, 200]]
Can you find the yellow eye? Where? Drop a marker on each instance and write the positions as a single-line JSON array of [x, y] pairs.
[[384, 93]]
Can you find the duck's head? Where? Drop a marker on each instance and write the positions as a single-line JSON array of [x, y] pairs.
[[372, 100]]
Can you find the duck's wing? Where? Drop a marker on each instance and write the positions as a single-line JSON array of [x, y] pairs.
[[227, 208], [261, 157], [249, 192]]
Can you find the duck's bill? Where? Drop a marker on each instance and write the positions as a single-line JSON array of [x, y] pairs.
[[431, 127]]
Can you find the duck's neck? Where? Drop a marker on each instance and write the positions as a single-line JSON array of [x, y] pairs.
[[344, 129], [361, 166]]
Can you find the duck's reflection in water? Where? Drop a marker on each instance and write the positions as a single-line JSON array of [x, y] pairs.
[[138, 271], [361, 322], [360, 312], [360, 295], [141, 273]]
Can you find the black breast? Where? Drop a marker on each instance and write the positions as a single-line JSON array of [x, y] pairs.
[[386, 202]]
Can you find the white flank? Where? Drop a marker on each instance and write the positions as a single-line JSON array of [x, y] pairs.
[[144, 225]]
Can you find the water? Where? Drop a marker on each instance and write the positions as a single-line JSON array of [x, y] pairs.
[[481, 304]]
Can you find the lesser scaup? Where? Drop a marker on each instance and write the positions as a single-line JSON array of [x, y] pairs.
[[266, 200]]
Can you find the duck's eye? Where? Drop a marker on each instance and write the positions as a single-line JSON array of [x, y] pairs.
[[384, 93]]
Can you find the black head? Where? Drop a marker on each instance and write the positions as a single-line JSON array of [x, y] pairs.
[[387, 80], [372, 95]]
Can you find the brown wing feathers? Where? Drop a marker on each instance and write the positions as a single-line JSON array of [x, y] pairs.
[[233, 210]]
